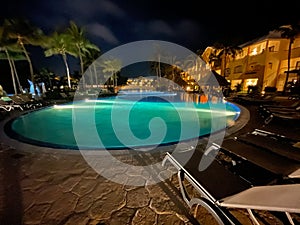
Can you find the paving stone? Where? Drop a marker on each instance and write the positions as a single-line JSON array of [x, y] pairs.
[[144, 216], [243, 217], [109, 203], [134, 182], [36, 213], [104, 188], [165, 175], [28, 199], [155, 191], [137, 171], [162, 206], [167, 219], [123, 216], [112, 172], [40, 175], [137, 198], [84, 203], [78, 219], [61, 209], [32, 184], [84, 186], [68, 184], [48, 194], [90, 174]]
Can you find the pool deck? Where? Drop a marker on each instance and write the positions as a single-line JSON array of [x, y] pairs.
[[58, 187]]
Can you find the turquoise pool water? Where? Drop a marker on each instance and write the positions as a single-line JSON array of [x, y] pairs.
[[121, 123]]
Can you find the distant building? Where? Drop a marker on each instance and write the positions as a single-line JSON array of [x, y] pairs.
[[141, 81], [263, 63]]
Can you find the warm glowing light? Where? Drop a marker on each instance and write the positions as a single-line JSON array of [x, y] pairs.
[[209, 110], [251, 82]]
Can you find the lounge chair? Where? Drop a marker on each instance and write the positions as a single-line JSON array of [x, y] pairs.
[[6, 106], [284, 110], [274, 154], [278, 144], [292, 116], [256, 99], [293, 105], [12, 103], [30, 102], [287, 109], [266, 110], [17, 100], [218, 189]]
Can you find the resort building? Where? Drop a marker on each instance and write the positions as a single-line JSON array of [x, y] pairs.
[[141, 82], [262, 63]]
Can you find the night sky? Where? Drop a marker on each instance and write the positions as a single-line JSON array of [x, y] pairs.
[[192, 24]]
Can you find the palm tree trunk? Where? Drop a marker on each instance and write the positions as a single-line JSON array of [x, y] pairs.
[[159, 69], [91, 78], [224, 65], [30, 65], [95, 71], [64, 56], [288, 69], [81, 61], [17, 77], [29, 62], [81, 66], [11, 71]]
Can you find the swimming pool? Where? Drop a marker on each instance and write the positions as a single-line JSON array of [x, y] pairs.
[[118, 123]]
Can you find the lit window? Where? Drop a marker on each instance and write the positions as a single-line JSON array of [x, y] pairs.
[[254, 51]]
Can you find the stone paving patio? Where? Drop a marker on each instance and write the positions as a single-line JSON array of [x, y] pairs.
[[58, 187], [61, 188]]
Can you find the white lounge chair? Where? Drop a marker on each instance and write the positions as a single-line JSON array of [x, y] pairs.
[[221, 190]]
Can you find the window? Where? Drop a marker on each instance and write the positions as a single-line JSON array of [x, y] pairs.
[[227, 72], [270, 65], [238, 69], [252, 66], [272, 48]]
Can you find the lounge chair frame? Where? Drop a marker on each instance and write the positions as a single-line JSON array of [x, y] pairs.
[[222, 216], [219, 208], [8, 106]]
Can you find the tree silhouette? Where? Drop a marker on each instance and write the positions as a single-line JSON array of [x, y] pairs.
[[289, 32], [61, 44]]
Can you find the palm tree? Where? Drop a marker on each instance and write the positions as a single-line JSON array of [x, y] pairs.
[[61, 44], [171, 68], [90, 59], [222, 52], [24, 34], [289, 32], [156, 61], [11, 52], [46, 76], [82, 44], [214, 60], [193, 64], [111, 67]]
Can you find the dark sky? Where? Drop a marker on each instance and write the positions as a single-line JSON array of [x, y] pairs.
[[192, 24]]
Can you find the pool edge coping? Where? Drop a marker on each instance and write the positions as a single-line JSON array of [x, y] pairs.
[[241, 121]]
